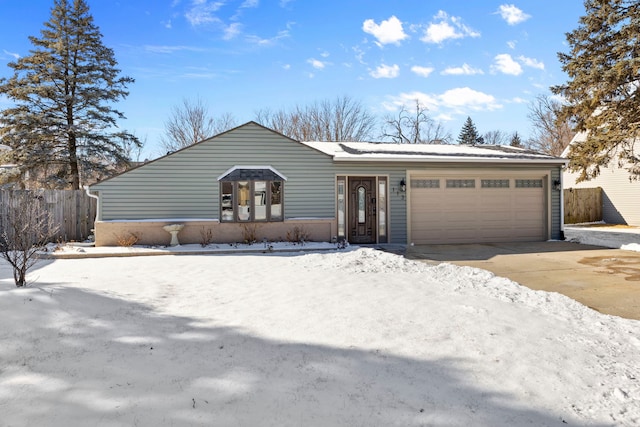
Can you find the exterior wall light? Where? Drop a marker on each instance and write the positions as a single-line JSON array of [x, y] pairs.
[[403, 185], [557, 185]]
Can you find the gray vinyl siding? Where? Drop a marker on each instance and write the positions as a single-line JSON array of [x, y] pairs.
[[185, 183], [556, 217]]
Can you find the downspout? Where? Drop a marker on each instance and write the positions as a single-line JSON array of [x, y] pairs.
[[562, 202], [98, 207]]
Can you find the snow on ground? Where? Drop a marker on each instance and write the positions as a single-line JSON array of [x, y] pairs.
[[609, 237], [336, 338]]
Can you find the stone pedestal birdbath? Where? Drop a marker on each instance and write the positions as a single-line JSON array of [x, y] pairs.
[[173, 229]]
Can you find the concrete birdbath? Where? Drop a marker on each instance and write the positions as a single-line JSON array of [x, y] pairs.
[[173, 229]]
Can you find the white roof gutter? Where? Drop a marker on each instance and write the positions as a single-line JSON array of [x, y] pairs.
[[450, 159]]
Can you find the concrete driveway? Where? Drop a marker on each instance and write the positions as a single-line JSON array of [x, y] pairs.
[[607, 280]]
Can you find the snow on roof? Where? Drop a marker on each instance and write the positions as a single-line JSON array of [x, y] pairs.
[[370, 151]]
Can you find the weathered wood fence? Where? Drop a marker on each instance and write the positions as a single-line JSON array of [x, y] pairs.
[[71, 210], [582, 205]]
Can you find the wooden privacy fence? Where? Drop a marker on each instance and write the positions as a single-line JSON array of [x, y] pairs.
[[73, 211], [582, 205]]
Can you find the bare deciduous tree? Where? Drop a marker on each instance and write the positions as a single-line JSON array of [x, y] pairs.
[[415, 127], [341, 119], [26, 229], [495, 137], [190, 123], [551, 134], [133, 152]]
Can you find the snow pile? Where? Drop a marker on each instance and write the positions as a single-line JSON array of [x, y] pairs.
[[356, 337]]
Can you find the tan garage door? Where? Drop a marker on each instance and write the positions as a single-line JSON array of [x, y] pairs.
[[469, 209]]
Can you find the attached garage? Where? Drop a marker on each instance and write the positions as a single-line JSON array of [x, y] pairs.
[[478, 207]]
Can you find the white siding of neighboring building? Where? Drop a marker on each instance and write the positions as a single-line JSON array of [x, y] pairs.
[[620, 196]]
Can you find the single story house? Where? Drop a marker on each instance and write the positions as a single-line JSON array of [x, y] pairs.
[[253, 181], [620, 196]]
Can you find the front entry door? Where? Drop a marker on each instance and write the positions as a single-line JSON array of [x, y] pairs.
[[362, 210]]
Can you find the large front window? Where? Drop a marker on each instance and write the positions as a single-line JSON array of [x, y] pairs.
[[248, 195]]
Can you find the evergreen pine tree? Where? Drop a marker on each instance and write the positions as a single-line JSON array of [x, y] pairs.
[[469, 134], [64, 93], [602, 96], [516, 141]]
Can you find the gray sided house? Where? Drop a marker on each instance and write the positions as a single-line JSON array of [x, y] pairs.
[[620, 196], [254, 182]]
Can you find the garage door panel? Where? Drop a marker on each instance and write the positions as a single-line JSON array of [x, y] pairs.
[[526, 216], [475, 215]]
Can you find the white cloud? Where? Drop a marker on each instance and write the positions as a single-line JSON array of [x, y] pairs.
[[250, 4], [389, 31], [505, 64], [531, 62], [359, 54], [422, 71], [464, 70], [511, 14], [468, 98], [512, 44], [444, 106], [232, 31], [286, 67], [408, 100], [270, 41], [447, 27], [14, 55], [385, 72], [201, 12], [170, 49], [317, 64]]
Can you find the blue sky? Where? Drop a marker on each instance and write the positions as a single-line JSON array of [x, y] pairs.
[[484, 59]]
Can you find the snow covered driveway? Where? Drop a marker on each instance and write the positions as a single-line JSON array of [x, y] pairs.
[[355, 338]]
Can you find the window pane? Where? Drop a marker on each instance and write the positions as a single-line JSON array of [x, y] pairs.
[[461, 183], [528, 183], [382, 208], [276, 200], [244, 193], [425, 183], [226, 201], [361, 205], [495, 183], [341, 208], [260, 200]]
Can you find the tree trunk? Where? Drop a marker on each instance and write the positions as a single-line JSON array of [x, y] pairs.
[[73, 163]]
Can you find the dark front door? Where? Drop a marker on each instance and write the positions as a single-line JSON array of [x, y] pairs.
[[362, 210]]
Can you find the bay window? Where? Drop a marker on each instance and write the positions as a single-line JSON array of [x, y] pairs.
[[251, 195]]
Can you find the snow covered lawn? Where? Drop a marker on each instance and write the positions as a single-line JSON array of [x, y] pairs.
[[352, 338]]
